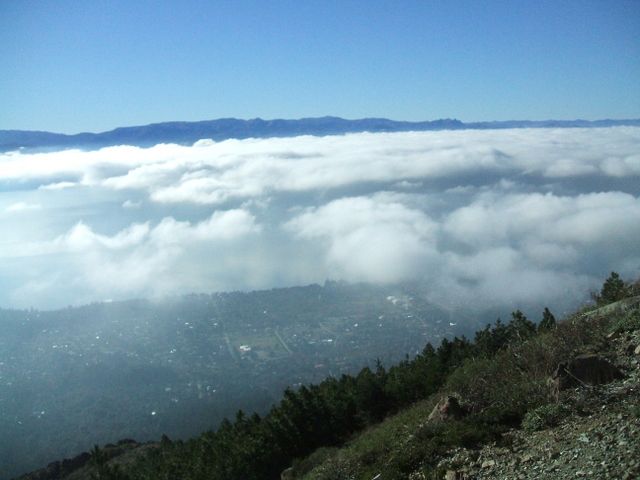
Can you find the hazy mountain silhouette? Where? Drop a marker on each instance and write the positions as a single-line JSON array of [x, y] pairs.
[[225, 128]]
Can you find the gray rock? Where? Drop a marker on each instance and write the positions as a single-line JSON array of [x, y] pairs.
[[448, 408], [488, 463], [589, 369], [287, 474]]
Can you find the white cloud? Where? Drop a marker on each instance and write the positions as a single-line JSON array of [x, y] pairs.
[[214, 172], [131, 204], [141, 259], [57, 186], [173, 256], [22, 206], [81, 237], [493, 219], [621, 166], [499, 248], [226, 225], [369, 239], [497, 216]]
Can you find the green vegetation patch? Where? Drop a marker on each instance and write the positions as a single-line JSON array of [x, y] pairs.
[[626, 322], [545, 416]]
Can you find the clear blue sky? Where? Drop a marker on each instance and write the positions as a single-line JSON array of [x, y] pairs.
[[71, 66]]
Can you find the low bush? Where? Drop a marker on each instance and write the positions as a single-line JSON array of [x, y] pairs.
[[545, 416], [627, 322], [336, 467], [497, 387], [305, 465]]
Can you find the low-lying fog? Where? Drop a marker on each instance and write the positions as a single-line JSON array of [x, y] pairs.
[[494, 217]]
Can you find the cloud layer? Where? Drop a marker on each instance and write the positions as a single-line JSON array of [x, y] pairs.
[[501, 216]]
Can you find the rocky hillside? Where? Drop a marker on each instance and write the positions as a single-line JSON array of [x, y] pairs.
[[592, 432]]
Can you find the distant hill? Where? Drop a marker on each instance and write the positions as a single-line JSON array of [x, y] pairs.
[[225, 128]]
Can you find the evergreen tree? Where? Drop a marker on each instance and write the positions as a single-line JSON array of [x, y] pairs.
[[613, 289], [520, 328], [548, 321], [491, 339]]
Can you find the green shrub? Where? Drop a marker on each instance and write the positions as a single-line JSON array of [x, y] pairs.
[[498, 385], [468, 433], [627, 322], [305, 465], [426, 447], [337, 467], [540, 356], [545, 416]]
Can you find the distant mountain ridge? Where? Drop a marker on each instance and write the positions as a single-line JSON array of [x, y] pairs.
[[186, 133]]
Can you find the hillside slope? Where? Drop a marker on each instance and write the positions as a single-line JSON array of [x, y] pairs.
[[599, 437], [587, 432], [516, 402]]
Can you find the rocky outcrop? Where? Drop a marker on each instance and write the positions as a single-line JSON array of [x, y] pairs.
[[447, 409], [287, 474], [589, 369]]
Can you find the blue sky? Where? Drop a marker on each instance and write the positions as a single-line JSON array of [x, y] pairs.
[[71, 66]]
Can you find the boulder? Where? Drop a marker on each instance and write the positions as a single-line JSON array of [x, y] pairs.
[[455, 475], [488, 464], [287, 474], [589, 369], [447, 409]]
